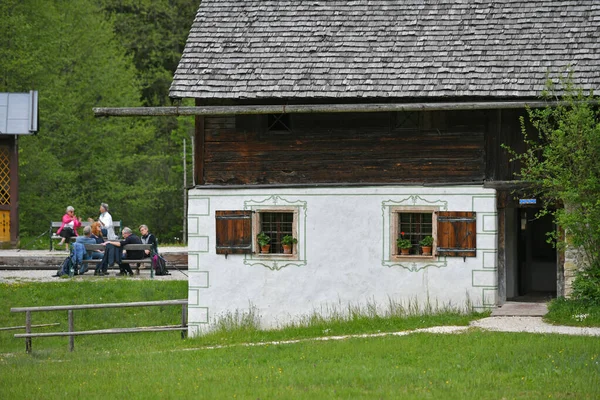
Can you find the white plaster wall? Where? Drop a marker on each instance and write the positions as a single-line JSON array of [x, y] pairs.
[[343, 255]]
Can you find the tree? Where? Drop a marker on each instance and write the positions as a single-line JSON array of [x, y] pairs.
[[561, 162], [72, 53]]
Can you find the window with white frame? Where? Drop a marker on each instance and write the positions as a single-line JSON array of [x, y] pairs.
[[276, 223], [412, 225]]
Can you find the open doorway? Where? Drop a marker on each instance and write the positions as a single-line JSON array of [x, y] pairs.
[[536, 267]]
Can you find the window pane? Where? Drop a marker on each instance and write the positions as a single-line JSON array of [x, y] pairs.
[[415, 226], [277, 225]]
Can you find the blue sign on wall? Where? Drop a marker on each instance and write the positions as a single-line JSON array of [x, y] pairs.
[[527, 201]]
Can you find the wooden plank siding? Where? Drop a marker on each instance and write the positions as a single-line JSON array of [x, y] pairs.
[[433, 147]]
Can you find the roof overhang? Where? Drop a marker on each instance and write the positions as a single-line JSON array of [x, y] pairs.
[[316, 108]]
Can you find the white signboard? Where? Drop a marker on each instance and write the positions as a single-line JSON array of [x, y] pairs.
[[19, 113]]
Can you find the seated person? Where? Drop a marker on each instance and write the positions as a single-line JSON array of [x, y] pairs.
[[81, 254], [149, 238], [129, 238], [97, 232], [68, 228]]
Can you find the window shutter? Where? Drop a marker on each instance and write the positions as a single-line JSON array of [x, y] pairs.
[[234, 232], [457, 234]]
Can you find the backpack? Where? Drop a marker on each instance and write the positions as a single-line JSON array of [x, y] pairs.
[[160, 265], [67, 267]]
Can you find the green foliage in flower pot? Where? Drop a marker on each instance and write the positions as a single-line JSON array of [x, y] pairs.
[[427, 241], [289, 240], [263, 239], [403, 243]]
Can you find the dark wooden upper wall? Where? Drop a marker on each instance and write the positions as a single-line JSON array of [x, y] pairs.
[[407, 147]]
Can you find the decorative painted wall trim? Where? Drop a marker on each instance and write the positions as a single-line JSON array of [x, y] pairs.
[[199, 205], [489, 297], [276, 262], [193, 261], [411, 265], [193, 225], [480, 278], [415, 200], [193, 297]]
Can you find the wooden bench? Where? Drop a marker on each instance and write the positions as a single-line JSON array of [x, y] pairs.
[[54, 225], [72, 333], [139, 262]]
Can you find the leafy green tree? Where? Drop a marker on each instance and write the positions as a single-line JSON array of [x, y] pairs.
[[561, 161], [153, 33], [74, 56]]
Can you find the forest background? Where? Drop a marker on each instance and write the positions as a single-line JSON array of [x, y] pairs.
[[80, 54]]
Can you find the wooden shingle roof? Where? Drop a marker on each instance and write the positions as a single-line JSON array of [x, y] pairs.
[[258, 49]]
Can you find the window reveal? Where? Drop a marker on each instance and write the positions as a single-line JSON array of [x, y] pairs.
[[276, 225], [415, 226]]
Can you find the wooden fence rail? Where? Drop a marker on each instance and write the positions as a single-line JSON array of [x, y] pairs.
[[12, 328], [72, 333]]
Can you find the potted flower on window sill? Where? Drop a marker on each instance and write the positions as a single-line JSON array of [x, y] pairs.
[[403, 244], [426, 245], [263, 242], [288, 242]]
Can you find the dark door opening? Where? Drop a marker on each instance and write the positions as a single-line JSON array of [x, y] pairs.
[[537, 259]]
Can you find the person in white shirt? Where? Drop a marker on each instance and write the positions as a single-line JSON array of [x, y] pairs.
[[106, 222]]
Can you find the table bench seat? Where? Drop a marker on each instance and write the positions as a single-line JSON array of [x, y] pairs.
[[54, 225], [139, 262]]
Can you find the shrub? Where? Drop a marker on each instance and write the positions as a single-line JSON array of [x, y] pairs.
[[586, 286]]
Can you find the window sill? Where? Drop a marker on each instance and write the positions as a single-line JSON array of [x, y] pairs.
[[413, 257], [276, 255]]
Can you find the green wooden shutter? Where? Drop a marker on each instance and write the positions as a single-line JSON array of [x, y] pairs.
[[234, 232], [457, 234]]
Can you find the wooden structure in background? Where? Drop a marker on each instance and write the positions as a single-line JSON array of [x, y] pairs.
[[9, 189]]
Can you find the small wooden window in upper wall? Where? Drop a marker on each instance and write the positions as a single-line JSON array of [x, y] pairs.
[[279, 123], [234, 232], [407, 120], [457, 234]]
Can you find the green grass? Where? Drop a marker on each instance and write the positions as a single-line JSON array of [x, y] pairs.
[[473, 365], [239, 328], [466, 366], [113, 290], [35, 242], [563, 311]]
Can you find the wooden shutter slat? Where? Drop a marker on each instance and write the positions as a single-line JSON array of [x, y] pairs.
[[234, 232], [457, 234]]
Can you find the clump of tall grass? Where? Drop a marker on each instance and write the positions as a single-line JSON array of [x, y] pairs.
[[339, 319], [372, 313], [238, 320]]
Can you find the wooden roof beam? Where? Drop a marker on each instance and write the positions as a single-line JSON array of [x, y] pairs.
[[314, 108]]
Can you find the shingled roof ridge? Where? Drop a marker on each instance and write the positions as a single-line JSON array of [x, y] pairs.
[[386, 48]]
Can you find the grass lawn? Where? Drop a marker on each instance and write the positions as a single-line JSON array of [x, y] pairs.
[[573, 313], [473, 365]]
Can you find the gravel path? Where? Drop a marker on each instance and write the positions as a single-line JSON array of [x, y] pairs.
[[531, 325], [16, 276]]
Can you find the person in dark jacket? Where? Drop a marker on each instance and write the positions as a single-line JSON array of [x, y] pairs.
[[128, 238], [149, 238]]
